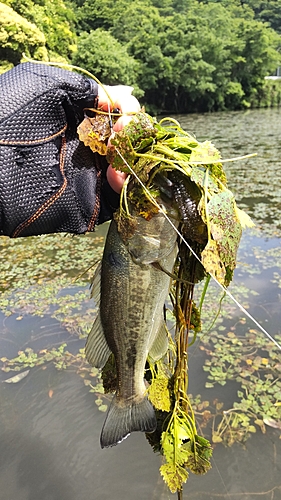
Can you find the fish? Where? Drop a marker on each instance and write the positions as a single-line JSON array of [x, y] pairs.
[[131, 287]]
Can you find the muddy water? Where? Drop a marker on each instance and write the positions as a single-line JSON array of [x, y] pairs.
[[50, 423]]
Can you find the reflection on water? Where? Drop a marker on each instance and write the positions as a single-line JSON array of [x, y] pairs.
[[49, 422]]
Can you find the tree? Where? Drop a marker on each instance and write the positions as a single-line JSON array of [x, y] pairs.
[[258, 56], [92, 14], [18, 36], [55, 19], [100, 53], [185, 55], [269, 12]]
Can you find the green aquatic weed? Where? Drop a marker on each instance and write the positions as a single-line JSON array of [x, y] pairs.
[[148, 149]]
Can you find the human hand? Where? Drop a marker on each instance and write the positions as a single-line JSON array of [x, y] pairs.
[[122, 98]]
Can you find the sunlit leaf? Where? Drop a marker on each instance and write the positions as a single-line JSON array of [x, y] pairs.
[[211, 261], [225, 227], [94, 132], [159, 394], [174, 476], [103, 408], [244, 219]]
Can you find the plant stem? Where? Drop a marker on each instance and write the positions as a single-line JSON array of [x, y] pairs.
[[180, 497]]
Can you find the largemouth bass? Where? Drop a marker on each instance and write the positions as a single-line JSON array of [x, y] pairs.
[[132, 290]]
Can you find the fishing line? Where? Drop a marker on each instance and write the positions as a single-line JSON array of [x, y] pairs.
[[221, 478], [110, 119], [151, 198]]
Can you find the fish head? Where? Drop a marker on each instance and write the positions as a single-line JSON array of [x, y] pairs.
[[153, 239]]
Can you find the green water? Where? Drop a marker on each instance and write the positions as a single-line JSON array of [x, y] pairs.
[[50, 422]]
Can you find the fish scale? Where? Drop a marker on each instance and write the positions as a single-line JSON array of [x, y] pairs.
[[130, 323]]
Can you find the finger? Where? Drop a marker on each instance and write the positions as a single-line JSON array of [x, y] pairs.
[[115, 179], [127, 103], [121, 123], [109, 95]]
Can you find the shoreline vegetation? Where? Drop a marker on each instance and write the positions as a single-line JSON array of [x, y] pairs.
[[181, 56], [269, 96]]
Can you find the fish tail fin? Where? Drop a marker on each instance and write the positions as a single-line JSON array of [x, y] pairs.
[[122, 419]]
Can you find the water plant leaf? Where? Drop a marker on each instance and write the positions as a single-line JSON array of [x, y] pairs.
[[225, 228], [94, 132], [198, 174], [134, 137], [103, 408], [206, 153], [174, 475], [272, 423], [199, 462], [159, 393], [211, 260], [244, 219], [17, 378]]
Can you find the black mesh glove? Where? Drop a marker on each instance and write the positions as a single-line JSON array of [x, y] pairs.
[[49, 181]]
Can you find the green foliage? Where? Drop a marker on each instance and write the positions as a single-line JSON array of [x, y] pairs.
[[268, 11], [149, 148], [269, 95], [183, 449], [17, 35], [29, 359], [100, 53], [53, 18], [5, 66], [258, 55], [183, 55], [192, 55]]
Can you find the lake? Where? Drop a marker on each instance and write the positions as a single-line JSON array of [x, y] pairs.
[[51, 419]]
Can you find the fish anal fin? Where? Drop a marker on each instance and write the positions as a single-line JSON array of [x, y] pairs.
[[97, 350], [95, 284], [160, 344], [122, 419]]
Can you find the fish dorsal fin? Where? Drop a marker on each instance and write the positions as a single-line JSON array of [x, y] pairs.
[[97, 350], [95, 285], [160, 344]]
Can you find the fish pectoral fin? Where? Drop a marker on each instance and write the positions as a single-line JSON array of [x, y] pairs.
[[160, 344], [122, 419], [95, 285], [97, 350]]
